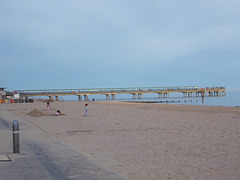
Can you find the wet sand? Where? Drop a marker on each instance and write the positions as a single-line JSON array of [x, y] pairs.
[[146, 141]]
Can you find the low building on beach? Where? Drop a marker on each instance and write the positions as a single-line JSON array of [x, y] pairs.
[[2, 94]]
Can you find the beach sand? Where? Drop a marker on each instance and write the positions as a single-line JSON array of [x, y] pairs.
[[146, 141]]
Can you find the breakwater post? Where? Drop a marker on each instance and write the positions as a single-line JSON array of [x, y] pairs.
[[202, 97]]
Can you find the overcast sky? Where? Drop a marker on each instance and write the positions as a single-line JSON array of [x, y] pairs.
[[50, 44]]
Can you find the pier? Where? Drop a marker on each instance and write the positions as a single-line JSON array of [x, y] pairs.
[[137, 92]]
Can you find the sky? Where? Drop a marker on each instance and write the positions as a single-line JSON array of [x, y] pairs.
[[71, 44]]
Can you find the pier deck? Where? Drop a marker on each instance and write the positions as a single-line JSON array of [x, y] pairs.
[[137, 92]]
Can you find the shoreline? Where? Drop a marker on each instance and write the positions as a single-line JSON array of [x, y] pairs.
[[146, 140], [175, 103]]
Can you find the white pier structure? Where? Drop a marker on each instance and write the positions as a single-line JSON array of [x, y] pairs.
[[137, 92]]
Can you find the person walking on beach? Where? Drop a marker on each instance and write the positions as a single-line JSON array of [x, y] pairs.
[[48, 108], [86, 110]]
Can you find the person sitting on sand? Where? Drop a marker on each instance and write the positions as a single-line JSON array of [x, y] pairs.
[[57, 113]]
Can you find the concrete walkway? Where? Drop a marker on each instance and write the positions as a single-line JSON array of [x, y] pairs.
[[43, 157]]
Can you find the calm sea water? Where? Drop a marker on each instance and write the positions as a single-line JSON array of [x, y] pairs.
[[231, 99]]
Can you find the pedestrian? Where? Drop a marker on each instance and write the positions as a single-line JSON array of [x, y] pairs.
[[48, 108], [86, 110]]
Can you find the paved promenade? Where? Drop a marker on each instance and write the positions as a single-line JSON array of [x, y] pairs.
[[43, 157]]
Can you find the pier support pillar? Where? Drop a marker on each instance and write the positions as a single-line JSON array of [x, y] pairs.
[[86, 98], [184, 94], [134, 96], [159, 95], [166, 95], [79, 98], [114, 96], [223, 93], [140, 95], [107, 97]]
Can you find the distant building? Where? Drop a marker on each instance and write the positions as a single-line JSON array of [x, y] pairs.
[[2, 93], [12, 97]]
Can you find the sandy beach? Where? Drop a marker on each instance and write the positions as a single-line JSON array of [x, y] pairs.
[[146, 141]]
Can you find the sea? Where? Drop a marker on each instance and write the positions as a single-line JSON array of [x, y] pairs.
[[231, 99]]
